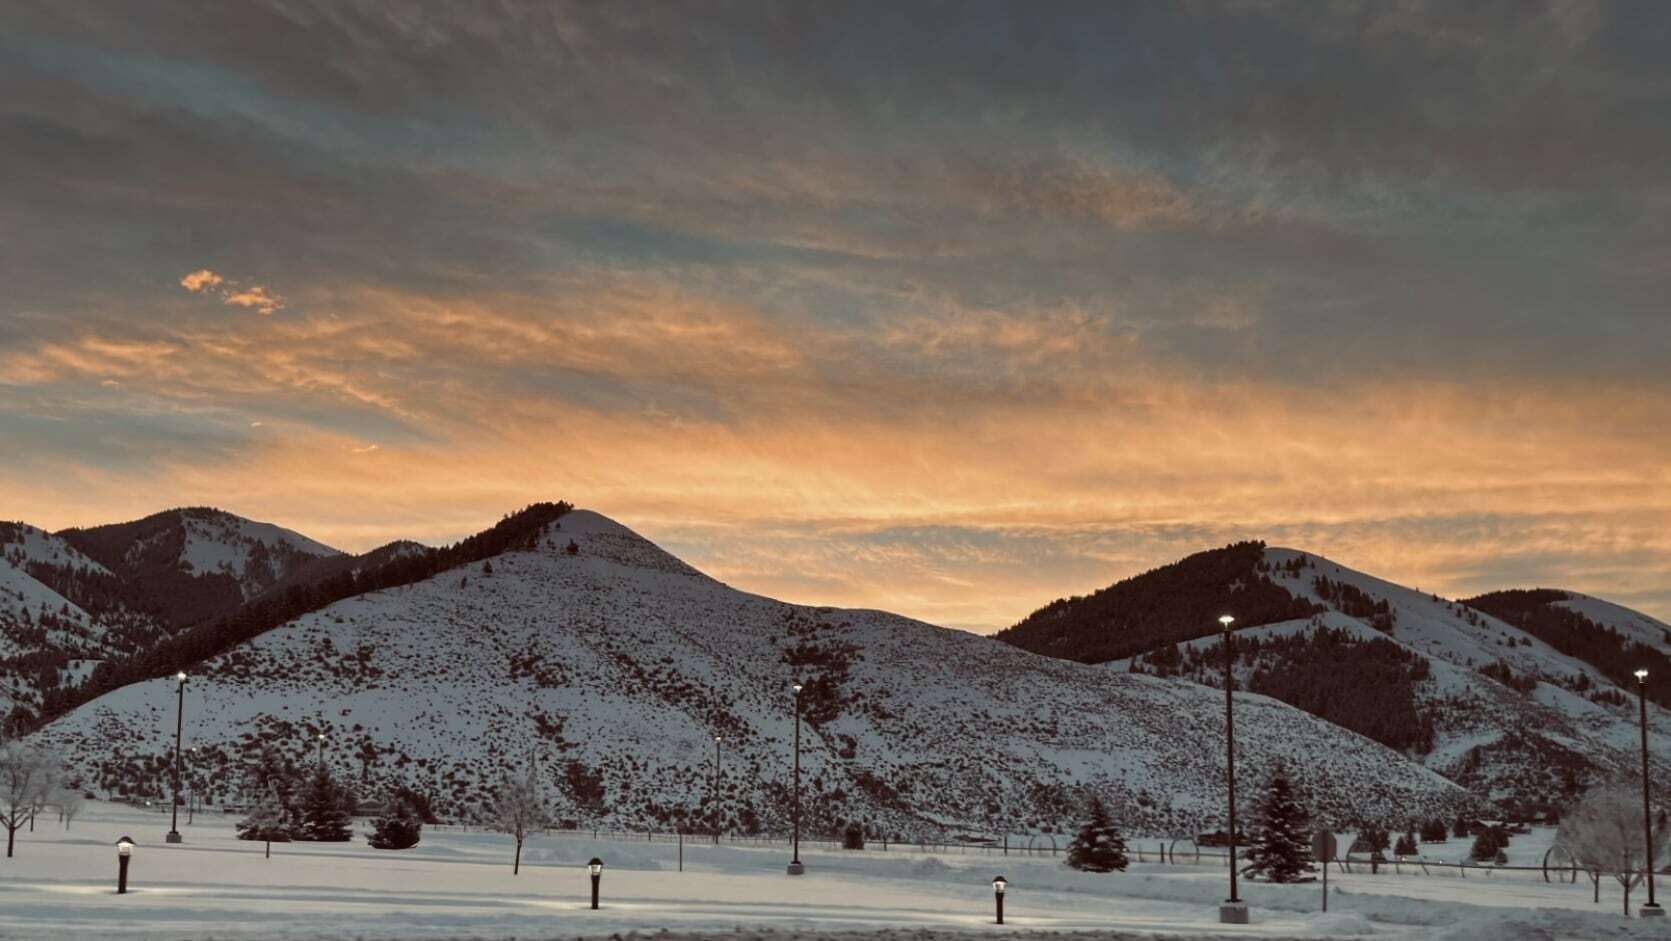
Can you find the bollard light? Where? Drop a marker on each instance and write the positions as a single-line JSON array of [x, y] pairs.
[[596, 866], [124, 850], [999, 884]]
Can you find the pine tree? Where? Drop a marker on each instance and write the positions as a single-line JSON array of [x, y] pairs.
[[326, 815], [267, 821], [1281, 851], [397, 828], [1099, 847], [1406, 845]]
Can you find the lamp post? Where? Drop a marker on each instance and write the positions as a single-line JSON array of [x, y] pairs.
[[179, 726], [124, 849], [795, 867], [191, 801], [1652, 909], [321, 751], [716, 790], [999, 884], [1234, 910], [596, 866]]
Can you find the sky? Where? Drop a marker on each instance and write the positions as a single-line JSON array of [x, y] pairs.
[[946, 309]]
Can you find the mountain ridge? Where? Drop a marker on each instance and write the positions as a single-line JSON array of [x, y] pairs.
[[617, 665]]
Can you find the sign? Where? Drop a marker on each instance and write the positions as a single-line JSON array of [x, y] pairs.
[[1323, 846]]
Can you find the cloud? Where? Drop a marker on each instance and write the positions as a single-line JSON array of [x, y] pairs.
[[1028, 303], [254, 297], [201, 280]]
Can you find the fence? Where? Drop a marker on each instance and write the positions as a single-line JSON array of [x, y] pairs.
[[1173, 853]]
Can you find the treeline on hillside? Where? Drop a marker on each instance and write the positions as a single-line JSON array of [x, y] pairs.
[[1365, 685], [1353, 602], [519, 530], [1172, 603], [1536, 612], [146, 553]]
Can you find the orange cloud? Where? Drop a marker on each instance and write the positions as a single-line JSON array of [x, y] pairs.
[[962, 465], [255, 297]]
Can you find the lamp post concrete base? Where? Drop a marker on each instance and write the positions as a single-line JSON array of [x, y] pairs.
[[1651, 911], [795, 868], [1232, 913], [174, 837]]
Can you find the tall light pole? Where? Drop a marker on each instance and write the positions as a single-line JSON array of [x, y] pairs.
[[1652, 909], [321, 751], [716, 790], [1234, 910], [191, 802], [795, 867], [179, 726]]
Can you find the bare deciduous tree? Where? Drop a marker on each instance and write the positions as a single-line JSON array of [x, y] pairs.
[[28, 776], [519, 810], [68, 801], [1604, 834]]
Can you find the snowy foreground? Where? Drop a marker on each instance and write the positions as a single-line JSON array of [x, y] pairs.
[[62, 884]]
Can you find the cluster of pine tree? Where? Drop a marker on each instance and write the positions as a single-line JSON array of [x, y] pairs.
[[292, 806]]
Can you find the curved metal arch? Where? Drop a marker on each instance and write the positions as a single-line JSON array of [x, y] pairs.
[[1194, 847], [1561, 871]]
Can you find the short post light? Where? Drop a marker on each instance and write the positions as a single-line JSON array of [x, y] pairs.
[[1652, 909], [999, 884], [124, 851], [596, 867], [179, 726]]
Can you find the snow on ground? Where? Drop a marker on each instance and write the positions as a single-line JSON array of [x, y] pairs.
[[458, 884]]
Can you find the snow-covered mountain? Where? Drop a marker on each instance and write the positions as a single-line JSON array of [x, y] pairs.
[[1488, 703], [220, 552], [71, 599], [613, 667]]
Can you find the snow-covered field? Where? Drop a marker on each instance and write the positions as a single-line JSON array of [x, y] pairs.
[[457, 884]]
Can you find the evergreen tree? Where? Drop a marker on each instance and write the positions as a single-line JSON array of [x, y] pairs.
[[397, 828], [1460, 829], [1281, 851], [1099, 847], [267, 821], [1406, 845], [1434, 831], [326, 815]]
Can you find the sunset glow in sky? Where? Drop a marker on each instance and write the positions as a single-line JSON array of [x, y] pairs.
[[947, 310]]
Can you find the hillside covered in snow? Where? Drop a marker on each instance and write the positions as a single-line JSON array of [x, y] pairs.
[[1522, 697], [72, 599], [612, 668]]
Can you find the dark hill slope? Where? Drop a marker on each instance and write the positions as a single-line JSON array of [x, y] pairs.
[[1173, 603]]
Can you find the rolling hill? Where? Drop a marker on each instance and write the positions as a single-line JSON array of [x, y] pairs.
[[611, 667], [1510, 709]]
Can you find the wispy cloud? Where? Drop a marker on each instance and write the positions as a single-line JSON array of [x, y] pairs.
[[946, 314]]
